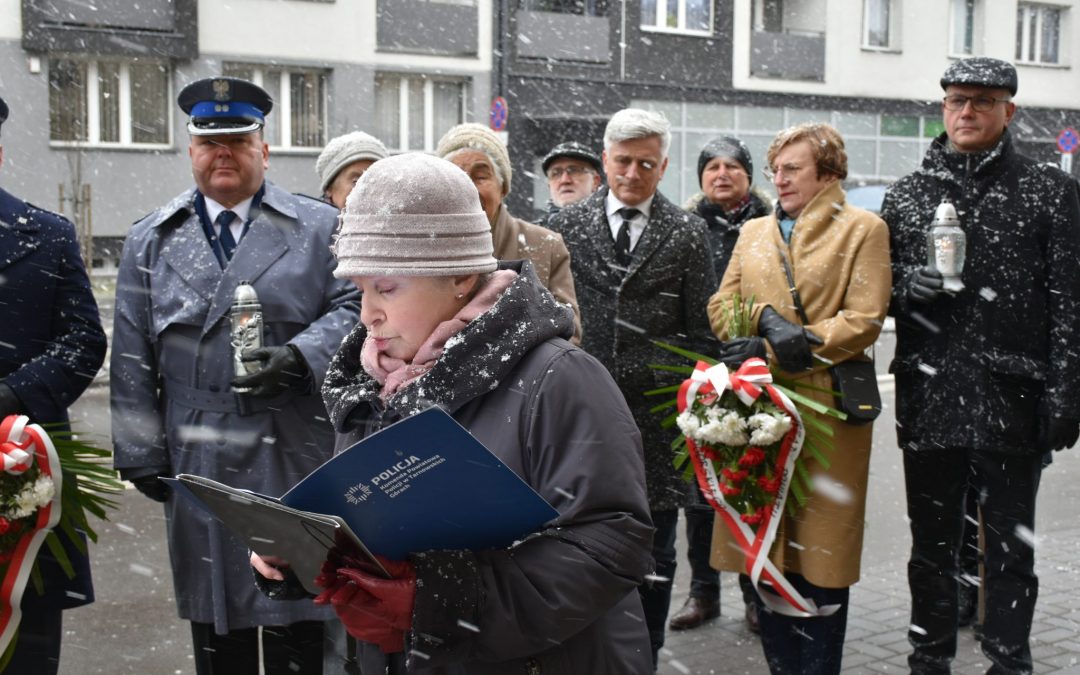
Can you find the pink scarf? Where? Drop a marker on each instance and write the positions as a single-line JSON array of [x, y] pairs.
[[393, 374]]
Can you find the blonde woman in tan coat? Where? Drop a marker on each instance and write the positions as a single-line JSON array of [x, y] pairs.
[[839, 258]]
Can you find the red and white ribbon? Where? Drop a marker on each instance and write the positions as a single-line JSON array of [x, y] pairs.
[[748, 382], [18, 436]]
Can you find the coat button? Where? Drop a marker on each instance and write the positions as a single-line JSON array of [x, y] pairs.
[[532, 666]]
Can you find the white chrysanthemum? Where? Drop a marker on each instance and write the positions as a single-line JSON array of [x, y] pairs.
[[728, 429], [768, 428], [688, 424], [32, 497]]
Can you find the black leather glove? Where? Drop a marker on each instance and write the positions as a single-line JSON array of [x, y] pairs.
[[9, 402], [146, 481], [790, 341], [283, 368], [925, 285], [733, 352], [1057, 433]]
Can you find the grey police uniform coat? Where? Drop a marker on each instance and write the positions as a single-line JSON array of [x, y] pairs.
[[171, 364]]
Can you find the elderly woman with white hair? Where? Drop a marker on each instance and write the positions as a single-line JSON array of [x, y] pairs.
[[477, 151], [443, 323]]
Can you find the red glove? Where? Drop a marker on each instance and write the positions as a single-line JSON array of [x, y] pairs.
[[348, 601], [373, 609]]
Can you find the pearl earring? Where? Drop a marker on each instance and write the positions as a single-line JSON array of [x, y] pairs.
[[459, 296]]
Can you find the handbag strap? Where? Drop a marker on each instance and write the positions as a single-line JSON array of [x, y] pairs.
[[791, 287], [798, 300]]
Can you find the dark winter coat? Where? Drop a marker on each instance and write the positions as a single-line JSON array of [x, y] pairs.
[[172, 362], [976, 369], [565, 600], [724, 227], [53, 345], [662, 296]]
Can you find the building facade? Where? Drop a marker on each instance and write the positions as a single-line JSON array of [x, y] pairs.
[[753, 67], [95, 131]]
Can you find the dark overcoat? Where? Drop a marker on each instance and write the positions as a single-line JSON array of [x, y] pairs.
[[975, 369], [172, 363], [661, 296], [564, 600], [53, 344]]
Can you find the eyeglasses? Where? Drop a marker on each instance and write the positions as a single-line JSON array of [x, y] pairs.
[[788, 170], [956, 102], [573, 172]]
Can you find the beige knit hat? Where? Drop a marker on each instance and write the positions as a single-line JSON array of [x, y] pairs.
[[477, 137], [413, 215], [342, 151]]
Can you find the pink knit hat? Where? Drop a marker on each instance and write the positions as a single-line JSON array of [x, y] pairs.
[[413, 215]]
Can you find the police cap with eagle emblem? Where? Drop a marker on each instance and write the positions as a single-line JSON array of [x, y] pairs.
[[224, 105]]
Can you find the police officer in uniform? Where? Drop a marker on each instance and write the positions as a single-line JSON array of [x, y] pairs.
[[178, 404], [53, 346]]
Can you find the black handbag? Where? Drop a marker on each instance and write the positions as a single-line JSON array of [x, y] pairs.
[[854, 380]]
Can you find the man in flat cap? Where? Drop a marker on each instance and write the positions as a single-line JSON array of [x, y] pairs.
[[53, 345], [183, 401], [573, 173], [986, 376]]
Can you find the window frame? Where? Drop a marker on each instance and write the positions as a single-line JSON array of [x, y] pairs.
[[599, 9], [1027, 13], [660, 25], [892, 30], [972, 10], [282, 110], [431, 140], [91, 93]]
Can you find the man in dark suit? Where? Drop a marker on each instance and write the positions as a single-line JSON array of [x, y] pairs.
[[53, 345], [643, 270]]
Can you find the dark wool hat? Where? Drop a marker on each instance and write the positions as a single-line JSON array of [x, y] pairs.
[[3, 112], [575, 150], [224, 105], [981, 71], [725, 146]]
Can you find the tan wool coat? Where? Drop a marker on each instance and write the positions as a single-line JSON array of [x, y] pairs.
[[516, 239], [839, 255]]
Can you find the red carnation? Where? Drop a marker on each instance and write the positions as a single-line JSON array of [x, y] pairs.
[[5, 525], [734, 476], [729, 490], [752, 518], [770, 485], [752, 457]]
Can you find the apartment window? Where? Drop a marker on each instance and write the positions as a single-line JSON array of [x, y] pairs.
[[109, 102], [880, 24], [578, 7], [298, 119], [963, 27], [412, 112], [768, 16], [687, 16], [1038, 33]]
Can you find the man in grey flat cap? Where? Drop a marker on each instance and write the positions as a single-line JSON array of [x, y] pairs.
[[190, 394], [982, 399], [573, 173]]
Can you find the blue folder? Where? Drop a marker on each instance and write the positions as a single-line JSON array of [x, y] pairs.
[[423, 483]]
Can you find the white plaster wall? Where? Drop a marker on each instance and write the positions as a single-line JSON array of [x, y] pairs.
[[10, 19], [914, 71], [342, 31]]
